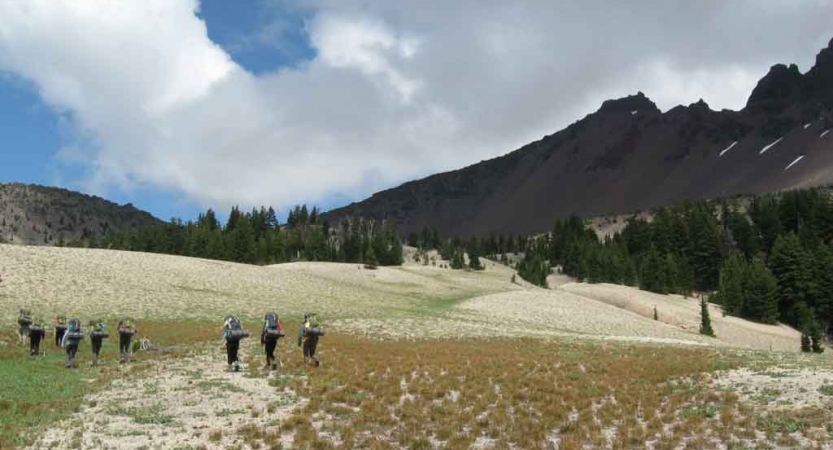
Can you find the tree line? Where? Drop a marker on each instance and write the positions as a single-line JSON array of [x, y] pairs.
[[257, 237], [768, 259]]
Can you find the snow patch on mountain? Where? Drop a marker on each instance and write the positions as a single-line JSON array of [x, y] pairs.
[[794, 162], [728, 148], [770, 145]]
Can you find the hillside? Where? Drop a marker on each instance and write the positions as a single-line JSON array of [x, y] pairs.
[[414, 301], [630, 156], [39, 215]]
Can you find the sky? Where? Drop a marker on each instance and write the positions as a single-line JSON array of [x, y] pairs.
[[180, 105]]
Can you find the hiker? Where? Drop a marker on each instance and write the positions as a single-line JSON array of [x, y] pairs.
[[126, 331], [60, 328], [233, 332], [24, 320], [308, 336], [98, 332], [36, 333], [272, 331], [72, 337]]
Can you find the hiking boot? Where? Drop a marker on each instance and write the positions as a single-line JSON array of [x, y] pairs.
[[236, 367], [274, 366]]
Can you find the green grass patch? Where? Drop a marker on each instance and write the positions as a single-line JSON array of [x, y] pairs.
[[37, 391]]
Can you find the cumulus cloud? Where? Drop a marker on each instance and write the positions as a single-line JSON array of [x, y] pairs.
[[395, 90]]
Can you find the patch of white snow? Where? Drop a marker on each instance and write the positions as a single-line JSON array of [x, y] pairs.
[[794, 162], [728, 148], [770, 145], [633, 113]]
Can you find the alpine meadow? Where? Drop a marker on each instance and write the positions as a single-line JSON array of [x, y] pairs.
[[419, 225]]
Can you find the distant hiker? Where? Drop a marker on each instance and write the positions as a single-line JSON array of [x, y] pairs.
[[72, 337], [269, 335], [60, 328], [24, 320], [233, 332], [126, 331], [98, 332], [308, 336], [36, 333]]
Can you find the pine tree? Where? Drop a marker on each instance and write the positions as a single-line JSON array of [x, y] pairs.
[[653, 273], [789, 264], [370, 261], [704, 253], [705, 320], [730, 289], [474, 258], [760, 294], [457, 261]]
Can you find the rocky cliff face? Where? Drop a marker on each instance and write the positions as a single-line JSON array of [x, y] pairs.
[[39, 215], [630, 156]]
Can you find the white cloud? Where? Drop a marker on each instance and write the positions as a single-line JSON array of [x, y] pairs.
[[396, 90]]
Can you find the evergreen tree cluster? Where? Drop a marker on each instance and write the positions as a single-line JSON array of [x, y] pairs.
[[256, 237], [769, 260]]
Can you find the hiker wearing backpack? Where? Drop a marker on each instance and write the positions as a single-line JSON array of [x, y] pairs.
[[24, 320], [70, 341], [36, 334], [98, 333], [233, 332], [126, 331], [272, 331], [60, 328], [308, 337]]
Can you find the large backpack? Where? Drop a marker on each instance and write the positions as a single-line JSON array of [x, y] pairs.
[[74, 330], [272, 327], [235, 331], [271, 321]]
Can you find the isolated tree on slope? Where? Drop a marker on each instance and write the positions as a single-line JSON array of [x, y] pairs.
[[705, 320]]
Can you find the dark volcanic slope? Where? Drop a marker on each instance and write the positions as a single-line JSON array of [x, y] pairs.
[[629, 156], [39, 215]]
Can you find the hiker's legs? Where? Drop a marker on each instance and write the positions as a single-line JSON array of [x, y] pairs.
[[231, 351], [59, 334], [313, 344], [34, 344], [270, 351], [124, 347], [72, 351], [96, 345]]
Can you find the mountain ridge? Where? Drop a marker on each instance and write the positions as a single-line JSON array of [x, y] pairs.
[[629, 156], [41, 215]]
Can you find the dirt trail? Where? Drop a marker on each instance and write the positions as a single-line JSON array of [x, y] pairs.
[[187, 403]]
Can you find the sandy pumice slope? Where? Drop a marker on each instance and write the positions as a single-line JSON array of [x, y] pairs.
[[413, 301]]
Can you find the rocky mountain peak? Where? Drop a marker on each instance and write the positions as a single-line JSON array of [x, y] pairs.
[[629, 104]]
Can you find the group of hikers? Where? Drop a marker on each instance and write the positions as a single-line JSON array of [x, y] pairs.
[[272, 330], [69, 334]]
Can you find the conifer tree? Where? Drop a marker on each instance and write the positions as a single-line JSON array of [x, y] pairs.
[[760, 294], [730, 289], [457, 261], [474, 257], [789, 264], [370, 261], [705, 320]]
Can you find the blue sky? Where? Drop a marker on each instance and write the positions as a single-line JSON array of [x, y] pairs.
[[180, 105], [262, 37]]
